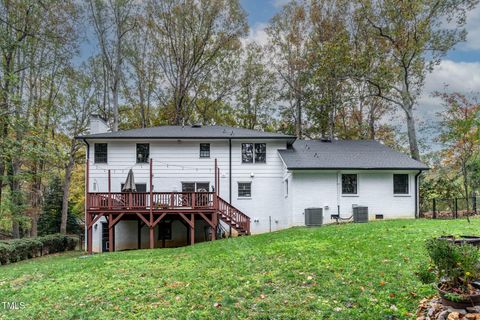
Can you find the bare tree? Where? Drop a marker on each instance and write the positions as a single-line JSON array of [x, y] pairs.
[[112, 20], [412, 37], [288, 43], [79, 101], [192, 39], [142, 82]]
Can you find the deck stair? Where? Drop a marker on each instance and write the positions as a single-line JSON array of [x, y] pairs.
[[233, 217]]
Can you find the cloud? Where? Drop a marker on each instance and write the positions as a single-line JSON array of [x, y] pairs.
[[473, 29], [257, 34], [449, 76], [279, 3]]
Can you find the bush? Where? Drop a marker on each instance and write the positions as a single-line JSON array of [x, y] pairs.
[[455, 265], [27, 248]]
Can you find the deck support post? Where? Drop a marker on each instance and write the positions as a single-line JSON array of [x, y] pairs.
[[152, 230], [215, 176], [89, 233], [110, 233], [214, 227], [218, 182], [192, 230], [152, 237], [109, 190]]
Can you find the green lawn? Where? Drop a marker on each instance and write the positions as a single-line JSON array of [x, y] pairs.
[[353, 271]]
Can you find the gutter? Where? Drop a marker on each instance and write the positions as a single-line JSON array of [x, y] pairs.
[[354, 168], [92, 137]]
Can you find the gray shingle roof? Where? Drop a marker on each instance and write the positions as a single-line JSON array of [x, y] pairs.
[[189, 132], [346, 154]]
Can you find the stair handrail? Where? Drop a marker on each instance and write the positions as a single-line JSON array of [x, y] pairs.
[[234, 214]]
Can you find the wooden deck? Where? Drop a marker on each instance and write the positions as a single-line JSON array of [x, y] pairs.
[[144, 201], [149, 208]]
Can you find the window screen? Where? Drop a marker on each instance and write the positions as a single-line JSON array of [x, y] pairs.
[[247, 152], [188, 187], [204, 150], [195, 187], [202, 186], [143, 152], [400, 183], [244, 189], [349, 183], [254, 152], [260, 152], [101, 152]]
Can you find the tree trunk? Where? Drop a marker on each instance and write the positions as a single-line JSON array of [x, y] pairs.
[[298, 124], [371, 123], [66, 193], [412, 134], [115, 107]]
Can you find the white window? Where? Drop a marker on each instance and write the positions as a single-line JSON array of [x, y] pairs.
[[143, 152], [100, 153], [254, 152], [349, 183], [204, 150], [195, 187], [286, 188], [400, 184], [244, 189]]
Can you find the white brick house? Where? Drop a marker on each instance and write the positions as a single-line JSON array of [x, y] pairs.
[[264, 182]]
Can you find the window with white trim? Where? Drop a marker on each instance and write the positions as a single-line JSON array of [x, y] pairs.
[[100, 152], [143, 152], [204, 150], [244, 189], [349, 183], [400, 184], [254, 152]]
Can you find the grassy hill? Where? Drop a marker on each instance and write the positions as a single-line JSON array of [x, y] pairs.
[[354, 271]]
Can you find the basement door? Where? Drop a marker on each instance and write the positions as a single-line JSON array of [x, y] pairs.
[[105, 243]]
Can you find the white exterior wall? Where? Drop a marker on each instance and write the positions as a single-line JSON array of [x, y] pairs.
[[270, 207], [176, 161], [322, 189]]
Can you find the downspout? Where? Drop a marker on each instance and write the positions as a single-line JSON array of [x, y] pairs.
[[86, 192], [417, 214], [230, 178], [230, 171]]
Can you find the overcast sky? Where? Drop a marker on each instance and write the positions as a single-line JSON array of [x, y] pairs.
[[460, 70]]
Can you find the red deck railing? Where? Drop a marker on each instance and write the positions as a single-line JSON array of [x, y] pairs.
[[141, 200], [235, 215]]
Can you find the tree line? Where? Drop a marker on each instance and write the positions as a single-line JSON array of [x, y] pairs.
[[331, 68]]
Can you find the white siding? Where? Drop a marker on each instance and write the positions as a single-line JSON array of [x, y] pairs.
[[175, 162], [322, 189], [269, 207]]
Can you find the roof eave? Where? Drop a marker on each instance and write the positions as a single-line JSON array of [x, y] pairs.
[[357, 168], [290, 138]]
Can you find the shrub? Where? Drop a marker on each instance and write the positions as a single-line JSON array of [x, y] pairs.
[[27, 248], [455, 265]]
